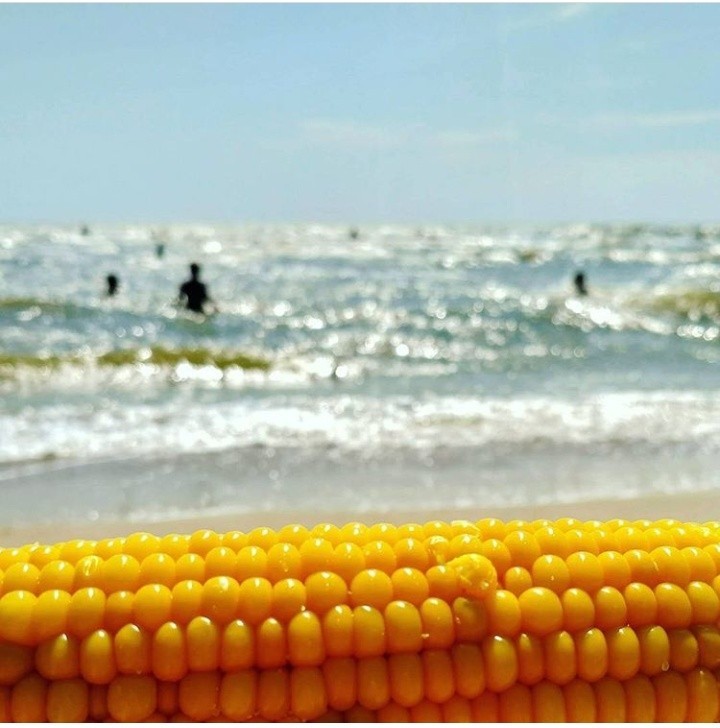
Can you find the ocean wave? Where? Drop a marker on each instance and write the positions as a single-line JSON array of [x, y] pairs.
[[690, 303], [160, 356]]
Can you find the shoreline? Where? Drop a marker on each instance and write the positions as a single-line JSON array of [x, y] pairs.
[[701, 506]]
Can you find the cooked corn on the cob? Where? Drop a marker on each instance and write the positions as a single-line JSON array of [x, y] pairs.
[[461, 621]]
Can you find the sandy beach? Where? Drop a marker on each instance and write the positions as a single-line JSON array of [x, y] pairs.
[[698, 507]]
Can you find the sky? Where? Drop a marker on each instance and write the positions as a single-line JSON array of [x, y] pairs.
[[359, 113]]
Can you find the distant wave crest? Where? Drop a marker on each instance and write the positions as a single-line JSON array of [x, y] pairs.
[[157, 355]]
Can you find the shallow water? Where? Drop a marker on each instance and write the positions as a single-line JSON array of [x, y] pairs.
[[395, 347]]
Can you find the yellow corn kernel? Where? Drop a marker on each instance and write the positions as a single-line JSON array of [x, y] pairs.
[[348, 561], [702, 697], [220, 561], [468, 670], [610, 701], [21, 576], [551, 572], [133, 650], [372, 588], [623, 649], [438, 628], [640, 699], [578, 610], [57, 575], [49, 616], [67, 701], [152, 606], [503, 611], [238, 695], [560, 658], [531, 661], [28, 700], [541, 611], [592, 655], [316, 555], [308, 699], [409, 585], [97, 658], [470, 620], [255, 600], [500, 662], [237, 648], [403, 627], [457, 710], [610, 608], [673, 606], [120, 572], [169, 653], [517, 580], [684, 650], [337, 629], [273, 699], [58, 658], [340, 675], [199, 695], [190, 567], [671, 699], [548, 702], [304, 640], [580, 702], [515, 704], [369, 635], [380, 555], [443, 583], [283, 562], [438, 675], [654, 650], [288, 598], [132, 698], [406, 679], [15, 663], [16, 617], [523, 548], [324, 590], [498, 554], [270, 644], [202, 637], [410, 552]]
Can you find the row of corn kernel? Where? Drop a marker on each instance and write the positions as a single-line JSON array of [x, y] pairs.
[[172, 653], [279, 695], [561, 537], [581, 570], [26, 619]]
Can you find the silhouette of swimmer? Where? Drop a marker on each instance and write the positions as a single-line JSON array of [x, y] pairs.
[[579, 281], [194, 291], [84, 230], [354, 233], [112, 284], [160, 250]]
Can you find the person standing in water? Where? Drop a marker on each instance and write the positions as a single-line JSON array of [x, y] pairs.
[[194, 291], [112, 284], [579, 281]]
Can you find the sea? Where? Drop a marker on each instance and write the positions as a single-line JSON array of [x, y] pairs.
[[354, 367]]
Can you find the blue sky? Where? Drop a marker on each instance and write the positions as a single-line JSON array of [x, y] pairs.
[[360, 113]]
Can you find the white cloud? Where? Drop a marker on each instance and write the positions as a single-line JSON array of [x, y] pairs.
[[350, 133], [355, 135], [560, 13], [571, 10], [462, 138], [658, 119]]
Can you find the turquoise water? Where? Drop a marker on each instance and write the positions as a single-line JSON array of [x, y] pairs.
[[407, 339]]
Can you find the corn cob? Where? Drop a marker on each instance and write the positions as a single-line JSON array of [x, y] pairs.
[[482, 621]]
